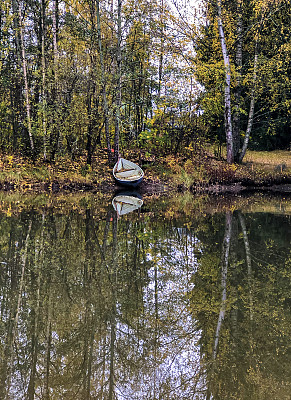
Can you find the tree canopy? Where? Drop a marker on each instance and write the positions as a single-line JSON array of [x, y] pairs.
[[150, 75]]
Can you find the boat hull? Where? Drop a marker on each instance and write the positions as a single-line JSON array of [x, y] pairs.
[[128, 183], [127, 173]]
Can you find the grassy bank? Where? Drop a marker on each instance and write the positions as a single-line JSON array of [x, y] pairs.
[[183, 172], [201, 171]]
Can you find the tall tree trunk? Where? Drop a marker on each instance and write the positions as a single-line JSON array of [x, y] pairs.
[[103, 83], [43, 88], [238, 89], [92, 97], [16, 28], [17, 94], [252, 108], [55, 135], [91, 84], [161, 58], [24, 67], [227, 98], [118, 89], [55, 38]]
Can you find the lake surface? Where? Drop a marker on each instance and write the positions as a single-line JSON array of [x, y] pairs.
[[169, 301]]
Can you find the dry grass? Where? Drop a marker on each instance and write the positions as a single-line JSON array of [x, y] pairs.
[[19, 171], [184, 170], [269, 157], [258, 169]]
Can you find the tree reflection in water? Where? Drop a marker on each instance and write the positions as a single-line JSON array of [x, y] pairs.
[[146, 307]]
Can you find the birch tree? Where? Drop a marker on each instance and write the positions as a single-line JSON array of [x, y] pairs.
[[227, 97], [241, 29], [25, 77]]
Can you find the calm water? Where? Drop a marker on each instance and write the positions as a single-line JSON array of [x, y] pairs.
[[158, 303]]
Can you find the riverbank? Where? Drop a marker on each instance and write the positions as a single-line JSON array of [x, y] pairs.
[[199, 173]]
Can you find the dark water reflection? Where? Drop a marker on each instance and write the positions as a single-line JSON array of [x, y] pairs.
[[145, 306]]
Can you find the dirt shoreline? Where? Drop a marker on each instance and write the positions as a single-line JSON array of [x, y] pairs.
[[149, 187], [237, 188]]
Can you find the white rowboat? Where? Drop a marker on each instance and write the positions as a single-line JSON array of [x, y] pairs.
[[127, 173]]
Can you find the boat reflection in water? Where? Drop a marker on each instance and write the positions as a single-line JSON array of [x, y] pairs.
[[125, 203]]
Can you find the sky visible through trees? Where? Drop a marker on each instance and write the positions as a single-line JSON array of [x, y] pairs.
[[146, 75]]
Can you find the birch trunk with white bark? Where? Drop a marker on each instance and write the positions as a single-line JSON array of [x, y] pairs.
[[238, 88], [252, 109], [227, 97]]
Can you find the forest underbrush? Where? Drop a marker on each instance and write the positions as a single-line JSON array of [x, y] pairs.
[[194, 172]]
